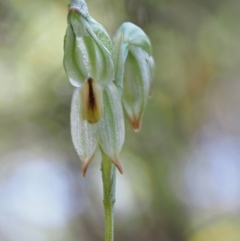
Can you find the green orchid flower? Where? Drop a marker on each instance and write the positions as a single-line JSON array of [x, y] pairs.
[[96, 114], [135, 67]]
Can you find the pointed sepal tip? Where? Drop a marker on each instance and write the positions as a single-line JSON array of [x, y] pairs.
[[118, 165], [85, 167], [135, 123]]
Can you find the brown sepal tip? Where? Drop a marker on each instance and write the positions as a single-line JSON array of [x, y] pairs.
[[118, 165], [85, 167], [135, 123]]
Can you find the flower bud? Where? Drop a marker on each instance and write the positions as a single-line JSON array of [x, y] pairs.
[[136, 86], [91, 99], [134, 72]]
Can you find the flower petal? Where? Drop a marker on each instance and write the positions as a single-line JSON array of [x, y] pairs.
[[75, 73], [94, 48], [135, 36], [151, 66], [83, 133], [121, 51], [136, 85], [111, 130]]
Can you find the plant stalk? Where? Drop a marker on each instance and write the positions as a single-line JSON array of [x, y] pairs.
[[109, 183]]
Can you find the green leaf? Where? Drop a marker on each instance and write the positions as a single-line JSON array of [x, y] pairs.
[[83, 133], [111, 130]]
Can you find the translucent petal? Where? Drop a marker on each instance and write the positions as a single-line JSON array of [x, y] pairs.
[[75, 74], [151, 65], [135, 36], [136, 85], [86, 54], [79, 8], [106, 64], [120, 55], [83, 133], [77, 23], [92, 55], [102, 35], [111, 130]]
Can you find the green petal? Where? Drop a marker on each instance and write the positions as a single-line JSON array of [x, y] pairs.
[[151, 65], [83, 133], [101, 35], [105, 60], [111, 130], [136, 85], [135, 36], [92, 49], [75, 73], [120, 55]]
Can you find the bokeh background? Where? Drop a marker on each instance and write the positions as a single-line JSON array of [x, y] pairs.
[[182, 170]]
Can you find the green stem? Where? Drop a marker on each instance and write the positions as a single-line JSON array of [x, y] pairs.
[[109, 183]]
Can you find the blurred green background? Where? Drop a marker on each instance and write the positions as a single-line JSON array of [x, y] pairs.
[[181, 177]]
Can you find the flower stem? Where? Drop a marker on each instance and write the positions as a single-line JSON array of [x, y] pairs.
[[109, 183]]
